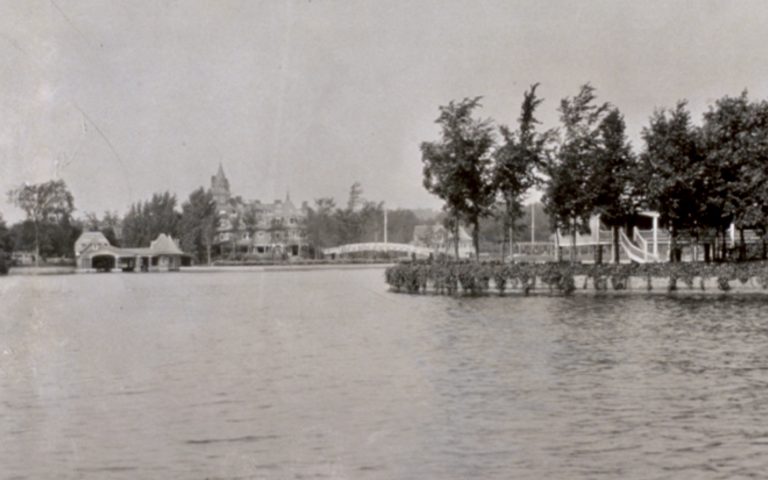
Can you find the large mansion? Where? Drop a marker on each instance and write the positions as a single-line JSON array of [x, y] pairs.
[[254, 228]]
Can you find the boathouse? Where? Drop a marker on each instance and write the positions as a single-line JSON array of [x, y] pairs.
[[94, 253]]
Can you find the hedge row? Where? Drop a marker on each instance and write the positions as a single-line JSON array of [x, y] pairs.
[[474, 278]]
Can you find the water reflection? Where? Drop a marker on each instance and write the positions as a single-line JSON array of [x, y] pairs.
[[324, 374]]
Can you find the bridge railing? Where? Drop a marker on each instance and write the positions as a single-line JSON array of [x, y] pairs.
[[377, 247]]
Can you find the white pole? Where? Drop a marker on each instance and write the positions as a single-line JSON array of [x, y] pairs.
[[733, 234], [533, 224], [385, 225]]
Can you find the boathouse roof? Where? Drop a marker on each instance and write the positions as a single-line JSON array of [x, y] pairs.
[[164, 245], [94, 243]]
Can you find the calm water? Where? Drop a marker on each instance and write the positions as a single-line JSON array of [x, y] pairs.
[[324, 374]]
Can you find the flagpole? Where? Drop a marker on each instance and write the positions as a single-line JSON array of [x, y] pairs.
[[385, 224]]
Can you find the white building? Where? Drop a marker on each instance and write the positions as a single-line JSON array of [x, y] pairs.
[[441, 241]]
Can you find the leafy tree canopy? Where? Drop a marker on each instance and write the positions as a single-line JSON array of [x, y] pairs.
[[458, 167]]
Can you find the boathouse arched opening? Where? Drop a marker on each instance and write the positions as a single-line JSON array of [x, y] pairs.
[[103, 263]]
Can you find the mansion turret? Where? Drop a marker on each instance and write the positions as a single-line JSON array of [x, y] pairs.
[[255, 229], [220, 187]]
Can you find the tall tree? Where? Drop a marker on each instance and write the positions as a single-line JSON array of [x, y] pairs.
[[6, 247], [146, 220], [370, 221], [109, 225], [322, 224], [401, 224], [46, 203], [613, 176], [569, 197], [199, 219], [355, 197], [517, 161], [735, 143], [458, 167], [674, 174], [251, 220], [235, 222]]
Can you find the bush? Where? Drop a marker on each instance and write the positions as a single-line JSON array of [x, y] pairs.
[[474, 278]]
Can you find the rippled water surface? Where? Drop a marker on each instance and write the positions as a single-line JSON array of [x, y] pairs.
[[325, 374]]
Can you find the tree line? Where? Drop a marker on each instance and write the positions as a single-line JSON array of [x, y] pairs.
[[359, 221], [51, 229], [699, 178]]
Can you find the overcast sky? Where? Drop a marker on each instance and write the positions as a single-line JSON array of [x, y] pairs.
[[125, 98]]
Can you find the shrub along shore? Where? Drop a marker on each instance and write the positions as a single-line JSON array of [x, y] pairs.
[[482, 278]]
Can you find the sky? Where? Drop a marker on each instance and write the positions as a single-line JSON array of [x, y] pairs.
[[122, 98]]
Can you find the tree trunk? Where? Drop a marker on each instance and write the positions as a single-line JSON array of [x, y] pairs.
[[742, 245], [695, 249], [706, 252], [717, 247], [456, 238], [598, 253], [673, 245], [724, 246], [616, 244], [37, 244], [765, 248], [505, 243], [476, 237]]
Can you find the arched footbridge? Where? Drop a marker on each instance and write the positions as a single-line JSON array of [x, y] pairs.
[[377, 247]]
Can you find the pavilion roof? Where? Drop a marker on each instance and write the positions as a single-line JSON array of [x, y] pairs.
[[164, 245]]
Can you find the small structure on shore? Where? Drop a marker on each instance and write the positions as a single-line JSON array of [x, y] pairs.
[[93, 253], [644, 242], [442, 242]]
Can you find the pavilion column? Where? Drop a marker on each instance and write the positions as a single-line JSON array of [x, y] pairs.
[[733, 234], [655, 235]]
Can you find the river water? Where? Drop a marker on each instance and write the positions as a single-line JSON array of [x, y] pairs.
[[325, 374]]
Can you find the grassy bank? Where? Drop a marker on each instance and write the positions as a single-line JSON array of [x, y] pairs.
[[477, 278]]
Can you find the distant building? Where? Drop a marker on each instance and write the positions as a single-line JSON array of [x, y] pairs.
[[257, 229], [441, 241], [93, 252]]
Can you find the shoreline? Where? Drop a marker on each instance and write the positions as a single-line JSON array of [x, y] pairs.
[[479, 279], [276, 267], [635, 285], [282, 267], [45, 270]]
